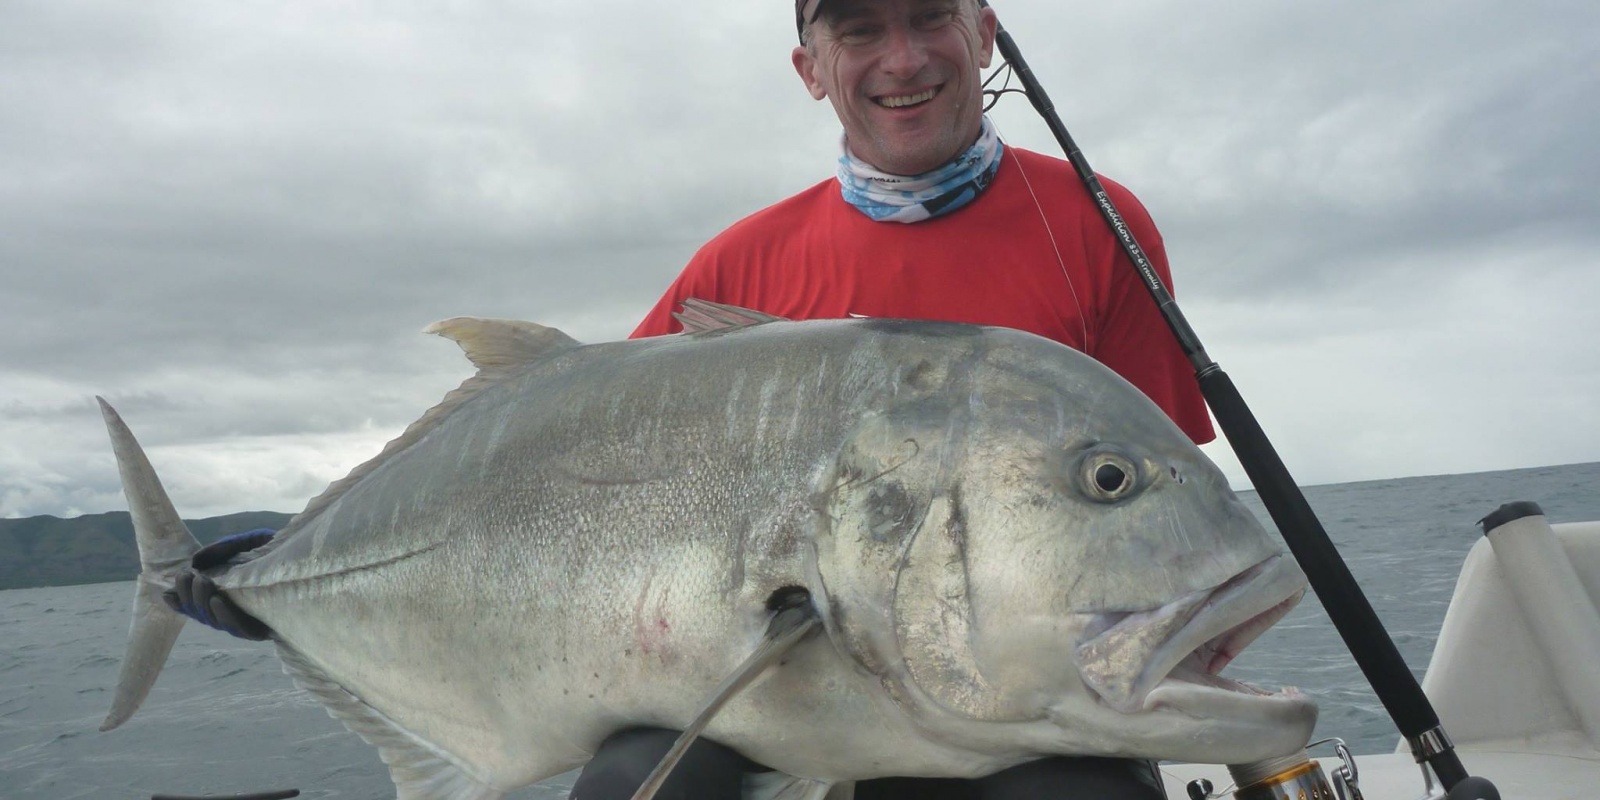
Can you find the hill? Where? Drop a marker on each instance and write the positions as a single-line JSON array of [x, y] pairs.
[[95, 548]]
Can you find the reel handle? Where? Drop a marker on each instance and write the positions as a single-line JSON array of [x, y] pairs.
[[1473, 788]]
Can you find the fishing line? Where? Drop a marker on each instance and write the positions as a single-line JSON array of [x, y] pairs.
[[1083, 315], [994, 95], [1347, 607]]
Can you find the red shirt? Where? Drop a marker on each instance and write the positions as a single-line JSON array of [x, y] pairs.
[[1050, 267]]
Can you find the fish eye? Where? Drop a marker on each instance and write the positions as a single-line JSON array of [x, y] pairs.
[[1109, 477]]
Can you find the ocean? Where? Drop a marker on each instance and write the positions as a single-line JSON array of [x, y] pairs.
[[224, 719]]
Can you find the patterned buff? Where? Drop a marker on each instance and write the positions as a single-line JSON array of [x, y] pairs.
[[914, 198]]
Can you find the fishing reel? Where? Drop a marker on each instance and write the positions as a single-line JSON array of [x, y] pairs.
[[1291, 777], [1297, 777]]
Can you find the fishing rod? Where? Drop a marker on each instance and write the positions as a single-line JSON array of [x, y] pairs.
[[1359, 626], [284, 794]]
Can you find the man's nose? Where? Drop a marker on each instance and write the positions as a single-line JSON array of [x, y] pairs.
[[905, 52]]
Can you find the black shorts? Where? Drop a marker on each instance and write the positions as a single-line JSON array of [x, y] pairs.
[[710, 771]]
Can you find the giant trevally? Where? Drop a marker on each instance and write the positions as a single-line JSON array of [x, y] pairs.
[[1012, 551]]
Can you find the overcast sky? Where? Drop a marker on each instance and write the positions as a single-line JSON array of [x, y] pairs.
[[233, 219]]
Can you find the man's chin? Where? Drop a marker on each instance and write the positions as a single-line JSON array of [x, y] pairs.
[[901, 155], [903, 144]]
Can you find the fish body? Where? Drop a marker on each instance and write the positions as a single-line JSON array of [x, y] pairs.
[[1013, 552]]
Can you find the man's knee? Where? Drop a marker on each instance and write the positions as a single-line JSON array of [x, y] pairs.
[[708, 770]]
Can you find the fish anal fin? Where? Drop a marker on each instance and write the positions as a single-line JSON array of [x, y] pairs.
[[702, 316], [419, 770], [782, 786]]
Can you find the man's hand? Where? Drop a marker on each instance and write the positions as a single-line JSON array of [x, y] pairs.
[[196, 596]]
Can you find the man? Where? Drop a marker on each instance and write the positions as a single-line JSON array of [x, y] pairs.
[[997, 235], [930, 217]]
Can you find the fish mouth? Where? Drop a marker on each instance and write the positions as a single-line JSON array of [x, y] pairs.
[[1170, 656]]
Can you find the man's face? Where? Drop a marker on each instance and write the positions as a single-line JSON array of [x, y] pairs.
[[903, 76]]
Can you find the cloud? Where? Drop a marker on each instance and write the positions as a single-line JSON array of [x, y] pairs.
[[1409, 124], [1487, 370], [232, 219]]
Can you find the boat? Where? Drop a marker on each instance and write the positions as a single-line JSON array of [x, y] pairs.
[[1514, 677]]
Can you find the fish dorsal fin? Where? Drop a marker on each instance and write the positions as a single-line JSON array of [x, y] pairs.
[[700, 316], [496, 346]]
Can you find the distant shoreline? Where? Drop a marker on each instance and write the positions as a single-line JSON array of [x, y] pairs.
[[47, 550], [95, 548]]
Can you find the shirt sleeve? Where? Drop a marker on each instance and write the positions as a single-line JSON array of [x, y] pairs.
[[1133, 338]]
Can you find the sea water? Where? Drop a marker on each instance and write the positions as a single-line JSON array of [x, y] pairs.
[[223, 718]]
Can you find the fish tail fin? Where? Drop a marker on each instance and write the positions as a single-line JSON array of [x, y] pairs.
[[165, 546]]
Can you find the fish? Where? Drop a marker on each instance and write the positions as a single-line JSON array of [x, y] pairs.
[[1011, 553]]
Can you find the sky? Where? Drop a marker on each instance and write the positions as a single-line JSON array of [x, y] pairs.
[[233, 220]]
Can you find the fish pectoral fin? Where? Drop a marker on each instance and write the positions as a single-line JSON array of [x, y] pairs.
[[420, 771], [794, 620], [783, 786]]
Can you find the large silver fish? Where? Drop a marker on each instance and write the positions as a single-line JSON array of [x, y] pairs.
[[1013, 552]]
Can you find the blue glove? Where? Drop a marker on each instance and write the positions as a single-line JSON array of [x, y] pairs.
[[195, 596], [222, 550]]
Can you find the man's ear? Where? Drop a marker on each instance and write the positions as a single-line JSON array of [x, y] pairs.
[[988, 25], [805, 65]]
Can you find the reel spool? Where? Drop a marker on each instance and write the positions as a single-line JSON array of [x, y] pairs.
[[1291, 777]]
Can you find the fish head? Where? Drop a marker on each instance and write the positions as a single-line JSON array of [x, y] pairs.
[[1032, 559]]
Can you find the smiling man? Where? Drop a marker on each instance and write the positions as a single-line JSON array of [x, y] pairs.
[[931, 216]]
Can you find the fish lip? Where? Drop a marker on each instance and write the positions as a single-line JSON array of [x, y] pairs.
[[1203, 632]]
